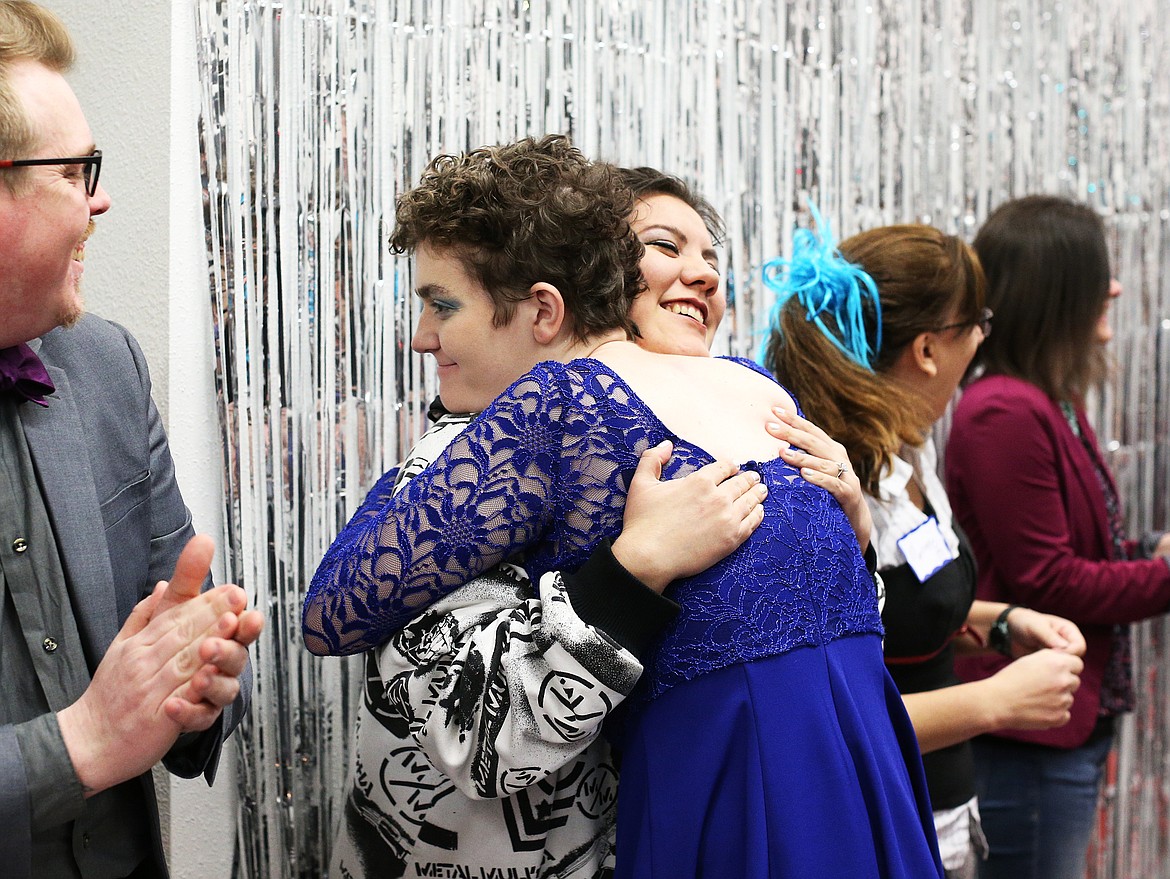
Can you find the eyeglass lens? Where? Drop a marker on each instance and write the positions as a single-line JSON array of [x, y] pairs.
[[92, 171]]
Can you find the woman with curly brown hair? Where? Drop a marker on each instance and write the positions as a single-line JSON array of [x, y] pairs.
[[486, 762], [767, 723], [874, 336]]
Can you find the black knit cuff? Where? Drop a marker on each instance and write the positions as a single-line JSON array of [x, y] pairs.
[[608, 597], [870, 556]]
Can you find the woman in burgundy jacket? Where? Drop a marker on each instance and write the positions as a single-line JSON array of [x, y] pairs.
[[1029, 485]]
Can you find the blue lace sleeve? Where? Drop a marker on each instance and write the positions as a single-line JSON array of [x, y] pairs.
[[490, 494], [377, 497]]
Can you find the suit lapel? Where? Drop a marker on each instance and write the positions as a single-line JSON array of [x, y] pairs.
[[57, 442]]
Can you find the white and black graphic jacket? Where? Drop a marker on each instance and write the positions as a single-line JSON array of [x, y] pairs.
[[478, 750]]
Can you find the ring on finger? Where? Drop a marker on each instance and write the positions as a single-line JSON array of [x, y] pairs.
[[842, 469]]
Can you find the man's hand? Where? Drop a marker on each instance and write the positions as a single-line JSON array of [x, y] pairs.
[[162, 675], [197, 704], [680, 527]]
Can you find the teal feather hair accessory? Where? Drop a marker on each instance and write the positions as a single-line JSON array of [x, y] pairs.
[[824, 282]]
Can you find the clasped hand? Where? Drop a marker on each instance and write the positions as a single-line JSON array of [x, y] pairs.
[[172, 668]]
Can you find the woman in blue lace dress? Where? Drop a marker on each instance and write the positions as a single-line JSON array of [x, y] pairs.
[[770, 741]]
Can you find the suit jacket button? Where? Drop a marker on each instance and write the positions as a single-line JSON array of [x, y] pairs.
[[50, 645], [19, 545]]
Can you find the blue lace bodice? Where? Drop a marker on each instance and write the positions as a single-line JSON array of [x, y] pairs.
[[544, 471], [799, 580]]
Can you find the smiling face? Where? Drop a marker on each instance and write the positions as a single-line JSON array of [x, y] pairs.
[[684, 301], [47, 219], [477, 360], [678, 312]]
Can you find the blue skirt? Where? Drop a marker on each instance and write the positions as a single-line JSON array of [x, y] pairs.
[[799, 766]]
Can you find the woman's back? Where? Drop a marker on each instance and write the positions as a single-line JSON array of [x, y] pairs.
[[766, 720], [714, 403], [800, 579]]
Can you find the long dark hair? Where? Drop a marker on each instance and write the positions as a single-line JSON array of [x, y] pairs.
[[644, 181], [1047, 269]]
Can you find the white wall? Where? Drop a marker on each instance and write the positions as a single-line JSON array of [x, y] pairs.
[[122, 78], [146, 268], [202, 818]]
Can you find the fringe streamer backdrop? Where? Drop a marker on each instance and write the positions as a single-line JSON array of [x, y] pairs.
[[316, 114]]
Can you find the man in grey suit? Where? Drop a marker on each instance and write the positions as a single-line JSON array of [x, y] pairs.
[[101, 676]]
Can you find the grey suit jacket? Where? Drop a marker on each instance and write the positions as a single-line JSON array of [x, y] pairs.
[[119, 520]]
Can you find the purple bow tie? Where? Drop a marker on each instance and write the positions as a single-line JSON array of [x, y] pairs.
[[23, 375]]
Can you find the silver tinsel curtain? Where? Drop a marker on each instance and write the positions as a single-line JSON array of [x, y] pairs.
[[317, 113]]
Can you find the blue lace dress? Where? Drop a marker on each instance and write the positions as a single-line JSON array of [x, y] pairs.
[[769, 741]]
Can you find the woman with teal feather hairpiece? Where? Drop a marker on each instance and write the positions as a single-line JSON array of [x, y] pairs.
[[824, 282], [918, 294]]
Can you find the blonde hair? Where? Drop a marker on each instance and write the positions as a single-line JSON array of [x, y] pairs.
[[28, 32]]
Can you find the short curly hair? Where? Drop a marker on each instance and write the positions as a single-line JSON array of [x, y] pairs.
[[529, 212]]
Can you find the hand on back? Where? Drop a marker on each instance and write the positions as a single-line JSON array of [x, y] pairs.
[[678, 527], [824, 462]]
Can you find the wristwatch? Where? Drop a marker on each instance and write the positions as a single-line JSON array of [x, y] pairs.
[[999, 638]]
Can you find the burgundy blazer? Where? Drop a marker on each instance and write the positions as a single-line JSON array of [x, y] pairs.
[[1023, 487]]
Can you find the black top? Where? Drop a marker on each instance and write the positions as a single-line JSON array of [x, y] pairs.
[[921, 619]]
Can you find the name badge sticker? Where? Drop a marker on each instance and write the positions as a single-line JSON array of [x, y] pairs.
[[925, 549]]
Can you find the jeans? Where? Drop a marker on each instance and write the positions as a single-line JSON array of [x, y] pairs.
[[1038, 806]]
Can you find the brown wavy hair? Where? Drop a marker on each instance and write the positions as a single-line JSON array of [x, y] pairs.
[[925, 280], [528, 212], [1047, 281], [28, 32]]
